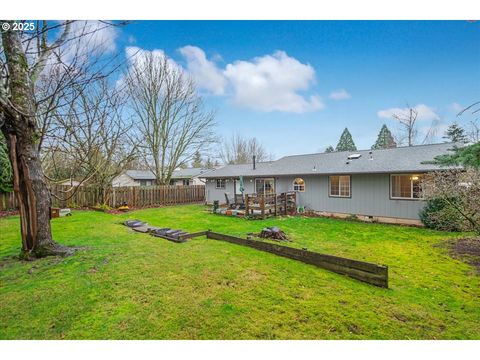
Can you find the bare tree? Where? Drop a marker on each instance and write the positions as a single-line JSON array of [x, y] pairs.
[[460, 191], [92, 138], [171, 121], [408, 129], [27, 102], [238, 150]]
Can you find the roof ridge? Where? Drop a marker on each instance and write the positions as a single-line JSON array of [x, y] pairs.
[[353, 151]]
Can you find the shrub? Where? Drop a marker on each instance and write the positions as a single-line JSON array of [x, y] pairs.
[[438, 214]]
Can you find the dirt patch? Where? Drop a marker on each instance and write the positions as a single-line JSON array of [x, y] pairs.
[[466, 249]]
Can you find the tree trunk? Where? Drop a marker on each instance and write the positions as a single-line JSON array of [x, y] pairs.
[[20, 130], [34, 201]]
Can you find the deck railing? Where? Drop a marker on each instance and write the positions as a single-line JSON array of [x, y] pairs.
[[265, 205]]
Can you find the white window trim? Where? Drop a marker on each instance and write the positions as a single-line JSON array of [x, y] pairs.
[[411, 188], [299, 185], [340, 196], [265, 178], [222, 187]]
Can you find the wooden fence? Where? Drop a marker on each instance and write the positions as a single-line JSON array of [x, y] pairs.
[[134, 196]]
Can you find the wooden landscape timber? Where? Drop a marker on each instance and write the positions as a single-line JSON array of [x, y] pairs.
[[360, 270], [367, 272]]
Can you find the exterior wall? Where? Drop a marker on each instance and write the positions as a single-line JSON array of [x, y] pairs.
[[124, 180], [193, 181], [212, 193], [370, 196]]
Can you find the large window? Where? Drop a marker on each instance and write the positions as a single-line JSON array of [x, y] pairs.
[[220, 184], [265, 186], [406, 186], [299, 185], [340, 186]]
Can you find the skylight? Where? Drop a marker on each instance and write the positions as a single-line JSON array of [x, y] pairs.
[[354, 156]]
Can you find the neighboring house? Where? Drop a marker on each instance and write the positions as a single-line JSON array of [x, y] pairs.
[[382, 185], [192, 176]]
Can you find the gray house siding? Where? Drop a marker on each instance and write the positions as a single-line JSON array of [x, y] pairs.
[[370, 195]]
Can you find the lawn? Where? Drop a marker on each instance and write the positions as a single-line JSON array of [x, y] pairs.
[[126, 285]]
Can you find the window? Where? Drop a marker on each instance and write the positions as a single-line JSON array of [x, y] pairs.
[[186, 182], [145, 182], [299, 185], [406, 186], [220, 184], [265, 186], [340, 186]]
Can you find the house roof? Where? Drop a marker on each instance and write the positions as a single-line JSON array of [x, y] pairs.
[[140, 174], [400, 159], [188, 173], [177, 174]]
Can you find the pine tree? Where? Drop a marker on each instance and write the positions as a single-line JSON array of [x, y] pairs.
[[346, 142], [197, 160], [385, 139], [455, 133], [329, 149]]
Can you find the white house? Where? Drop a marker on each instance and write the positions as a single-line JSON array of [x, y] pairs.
[[191, 176]]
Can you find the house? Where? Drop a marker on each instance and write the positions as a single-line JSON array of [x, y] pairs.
[[376, 185], [192, 176]]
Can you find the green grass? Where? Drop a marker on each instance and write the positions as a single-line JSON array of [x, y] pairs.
[[125, 285]]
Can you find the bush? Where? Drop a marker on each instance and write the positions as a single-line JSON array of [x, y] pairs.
[[439, 215]]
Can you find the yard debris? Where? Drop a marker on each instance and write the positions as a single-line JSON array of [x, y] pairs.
[[273, 233]]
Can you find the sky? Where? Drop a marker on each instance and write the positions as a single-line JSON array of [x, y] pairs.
[[295, 85]]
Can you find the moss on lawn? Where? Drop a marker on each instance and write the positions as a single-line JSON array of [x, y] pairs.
[[125, 285]]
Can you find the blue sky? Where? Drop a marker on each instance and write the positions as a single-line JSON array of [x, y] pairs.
[[296, 85]]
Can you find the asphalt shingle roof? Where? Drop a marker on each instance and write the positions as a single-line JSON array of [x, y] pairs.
[[400, 159], [177, 174]]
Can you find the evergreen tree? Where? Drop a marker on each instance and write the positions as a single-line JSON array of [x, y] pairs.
[[329, 149], [197, 160], [346, 142], [385, 139], [455, 133], [467, 156]]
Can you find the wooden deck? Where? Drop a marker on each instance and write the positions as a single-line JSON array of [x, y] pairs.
[[262, 206]]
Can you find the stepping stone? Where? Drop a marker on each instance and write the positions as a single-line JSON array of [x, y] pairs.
[[134, 223], [161, 231]]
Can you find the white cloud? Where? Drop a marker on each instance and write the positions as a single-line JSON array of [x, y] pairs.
[[205, 72], [424, 112], [90, 37], [273, 83], [456, 107], [340, 94]]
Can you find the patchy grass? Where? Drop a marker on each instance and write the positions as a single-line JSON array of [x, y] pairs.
[[126, 285]]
